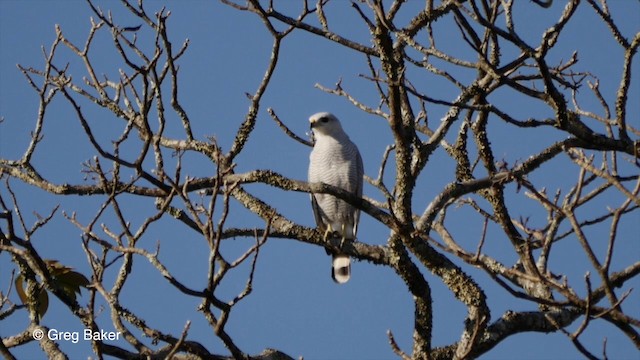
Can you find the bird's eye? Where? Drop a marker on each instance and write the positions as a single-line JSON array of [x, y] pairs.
[[324, 120]]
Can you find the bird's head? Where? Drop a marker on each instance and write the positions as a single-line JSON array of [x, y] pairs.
[[324, 123]]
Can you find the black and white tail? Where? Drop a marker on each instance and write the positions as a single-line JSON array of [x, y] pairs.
[[341, 268]]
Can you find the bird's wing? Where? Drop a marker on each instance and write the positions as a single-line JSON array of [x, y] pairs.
[[359, 184], [317, 213]]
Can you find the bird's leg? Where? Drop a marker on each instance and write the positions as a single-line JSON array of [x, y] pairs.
[[344, 232], [328, 232]]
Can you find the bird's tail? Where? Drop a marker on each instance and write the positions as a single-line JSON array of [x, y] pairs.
[[341, 268]]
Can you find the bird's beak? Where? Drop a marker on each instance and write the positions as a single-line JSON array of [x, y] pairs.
[[312, 124]]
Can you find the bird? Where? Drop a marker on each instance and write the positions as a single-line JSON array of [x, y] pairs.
[[335, 160]]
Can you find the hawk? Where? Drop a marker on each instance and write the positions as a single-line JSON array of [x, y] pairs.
[[335, 160]]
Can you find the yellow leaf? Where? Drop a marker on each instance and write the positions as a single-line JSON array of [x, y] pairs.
[[43, 303], [19, 282], [43, 298]]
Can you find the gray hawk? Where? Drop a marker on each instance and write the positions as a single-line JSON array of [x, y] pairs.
[[335, 160]]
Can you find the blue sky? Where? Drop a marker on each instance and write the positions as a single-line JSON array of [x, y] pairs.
[[294, 307]]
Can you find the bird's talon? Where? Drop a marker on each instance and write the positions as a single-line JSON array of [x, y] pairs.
[[327, 233]]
